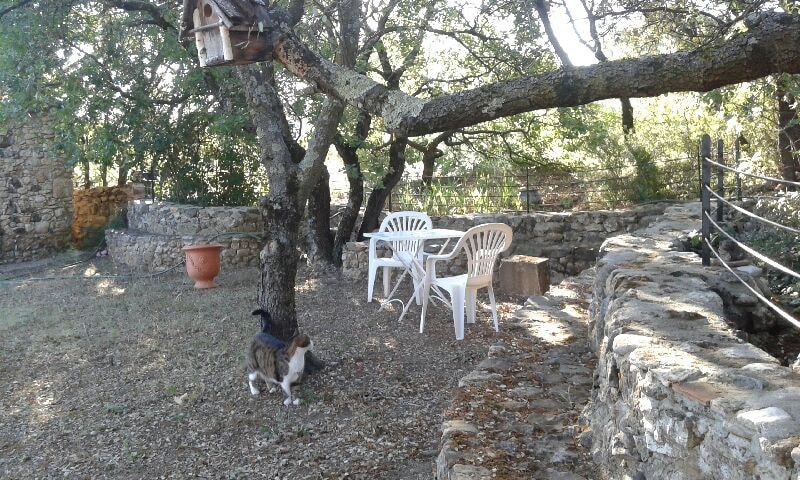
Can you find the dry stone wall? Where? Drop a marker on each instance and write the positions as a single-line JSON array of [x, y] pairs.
[[165, 218], [157, 231], [570, 240], [678, 394], [93, 207], [35, 192]]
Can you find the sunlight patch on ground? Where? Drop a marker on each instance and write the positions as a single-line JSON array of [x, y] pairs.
[[551, 333], [107, 288], [90, 271], [42, 398], [308, 285]]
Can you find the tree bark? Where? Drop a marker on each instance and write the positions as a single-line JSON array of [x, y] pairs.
[[122, 176], [292, 173], [431, 153], [428, 167], [280, 209], [87, 176], [769, 46], [397, 163], [355, 194], [319, 220], [788, 133]]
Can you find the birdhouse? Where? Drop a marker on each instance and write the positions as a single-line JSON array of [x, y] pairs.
[[227, 32]]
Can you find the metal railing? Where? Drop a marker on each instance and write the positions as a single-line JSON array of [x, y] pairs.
[[716, 221]]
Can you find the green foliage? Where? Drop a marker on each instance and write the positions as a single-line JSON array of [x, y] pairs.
[[458, 195], [126, 95]]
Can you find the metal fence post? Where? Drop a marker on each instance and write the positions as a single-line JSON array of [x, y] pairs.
[[737, 154], [700, 172], [705, 198], [720, 179], [527, 190]]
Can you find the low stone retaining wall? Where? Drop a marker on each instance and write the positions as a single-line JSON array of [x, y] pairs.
[[678, 394], [154, 252], [165, 218], [159, 230], [570, 240]]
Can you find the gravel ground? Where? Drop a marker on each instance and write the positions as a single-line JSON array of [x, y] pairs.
[[144, 378]]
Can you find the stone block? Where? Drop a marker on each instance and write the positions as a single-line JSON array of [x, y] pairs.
[[524, 275]]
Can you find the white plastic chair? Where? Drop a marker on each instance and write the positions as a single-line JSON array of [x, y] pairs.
[[481, 245], [397, 222]]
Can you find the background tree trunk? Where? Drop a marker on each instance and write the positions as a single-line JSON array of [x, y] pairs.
[[319, 220], [788, 133], [122, 176], [103, 175], [397, 163], [355, 196]]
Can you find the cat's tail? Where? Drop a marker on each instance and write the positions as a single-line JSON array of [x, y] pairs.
[[266, 319]]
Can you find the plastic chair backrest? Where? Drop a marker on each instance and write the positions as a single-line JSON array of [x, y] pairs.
[[482, 245], [406, 222]]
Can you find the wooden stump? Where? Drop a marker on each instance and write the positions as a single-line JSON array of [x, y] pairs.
[[524, 275]]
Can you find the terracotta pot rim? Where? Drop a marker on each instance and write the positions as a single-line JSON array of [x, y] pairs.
[[201, 246]]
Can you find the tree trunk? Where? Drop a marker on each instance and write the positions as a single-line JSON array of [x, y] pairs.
[[103, 175], [87, 175], [292, 173], [627, 115], [355, 196], [122, 177], [279, 260], [319, 221], [431, 153], [428, 167], [788, 133], [397, 163]]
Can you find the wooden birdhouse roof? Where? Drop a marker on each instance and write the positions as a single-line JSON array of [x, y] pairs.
[[232, 13]]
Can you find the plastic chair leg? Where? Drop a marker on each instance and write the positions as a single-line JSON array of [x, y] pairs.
[[457, 299], [371, 279], [387, 281], [426, 295], [471, 297], [494, 308]]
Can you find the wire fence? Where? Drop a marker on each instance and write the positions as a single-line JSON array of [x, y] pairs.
[[715, 230], [566, 189]]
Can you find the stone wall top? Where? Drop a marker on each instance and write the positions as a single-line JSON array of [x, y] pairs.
[[165, 218], [679, 394]]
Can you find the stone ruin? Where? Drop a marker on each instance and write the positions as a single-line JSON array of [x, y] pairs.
[[35, 192]]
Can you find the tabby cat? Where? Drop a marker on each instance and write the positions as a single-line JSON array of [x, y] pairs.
[[277, 366]]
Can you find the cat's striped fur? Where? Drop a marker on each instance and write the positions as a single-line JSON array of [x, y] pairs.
[[277, 366]]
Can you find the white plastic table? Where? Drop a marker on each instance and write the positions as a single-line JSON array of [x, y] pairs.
[[412, 263]]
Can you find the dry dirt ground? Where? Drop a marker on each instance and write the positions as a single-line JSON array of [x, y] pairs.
[[144, 378]]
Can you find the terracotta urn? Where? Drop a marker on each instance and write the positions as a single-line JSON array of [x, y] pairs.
[[202, 264]]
